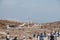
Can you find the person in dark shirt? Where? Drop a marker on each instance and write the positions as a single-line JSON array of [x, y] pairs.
[[51, 37], [41, 36], [34, 35]]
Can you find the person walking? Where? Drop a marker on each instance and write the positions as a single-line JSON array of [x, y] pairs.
[[41, 36], [48, 36], [35, 36], [51, 37], [38, 36], [44, 34], [7, 36], [24, 38]]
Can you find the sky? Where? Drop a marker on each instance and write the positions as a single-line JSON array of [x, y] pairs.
[[40, 11]]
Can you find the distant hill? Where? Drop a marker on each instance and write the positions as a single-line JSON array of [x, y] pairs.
[[52, 25], [3, 24]]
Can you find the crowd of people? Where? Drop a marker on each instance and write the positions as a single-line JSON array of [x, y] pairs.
[[50, 35], [15, 38], [38, 36], [8, 37]]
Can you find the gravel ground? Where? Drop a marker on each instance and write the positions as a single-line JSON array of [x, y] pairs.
[[58, 38]]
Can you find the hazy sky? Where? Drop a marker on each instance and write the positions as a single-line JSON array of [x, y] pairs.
[[37, 10]]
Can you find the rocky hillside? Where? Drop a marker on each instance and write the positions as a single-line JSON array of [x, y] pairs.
[[3, 23], [51, 25]]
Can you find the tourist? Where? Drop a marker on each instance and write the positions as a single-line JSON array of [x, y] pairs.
[[7, 36], [24, 38], [41, 36], [44, 34], [58, 34], [51, 37], [35, 36], [48, 36], [38, 36]]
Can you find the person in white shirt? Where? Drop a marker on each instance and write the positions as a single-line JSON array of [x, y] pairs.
[[48, 36], [38, 36], [7, 36], [24, 38]]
